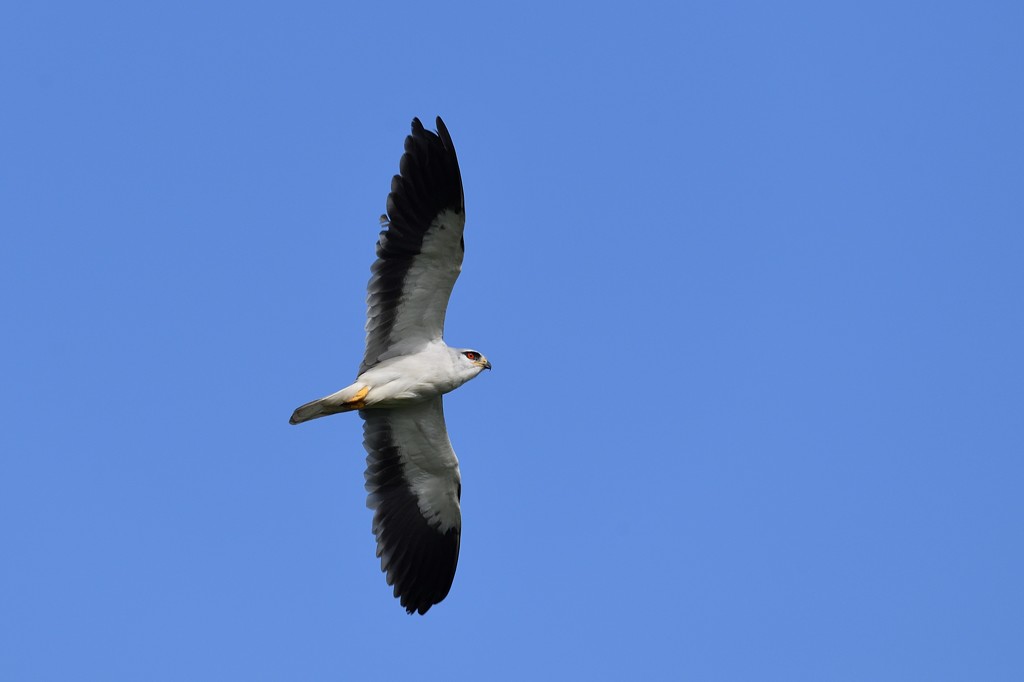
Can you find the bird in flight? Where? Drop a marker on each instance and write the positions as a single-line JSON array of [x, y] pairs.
[[412, 474]]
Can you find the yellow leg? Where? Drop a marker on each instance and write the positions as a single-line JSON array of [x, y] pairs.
[[357, 400]]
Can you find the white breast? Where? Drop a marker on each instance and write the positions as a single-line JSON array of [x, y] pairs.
[[412, 378]]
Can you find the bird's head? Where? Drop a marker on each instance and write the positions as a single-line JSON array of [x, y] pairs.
[[473, 360]]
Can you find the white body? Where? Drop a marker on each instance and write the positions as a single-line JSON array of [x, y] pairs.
[[430, 372]]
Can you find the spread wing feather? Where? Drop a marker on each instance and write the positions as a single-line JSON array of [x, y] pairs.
[[419, 253], [414, 486]]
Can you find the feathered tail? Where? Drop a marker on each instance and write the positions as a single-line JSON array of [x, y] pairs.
[[346, 400]]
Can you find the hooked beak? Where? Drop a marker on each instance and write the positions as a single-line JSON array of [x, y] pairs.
[[486, 364]]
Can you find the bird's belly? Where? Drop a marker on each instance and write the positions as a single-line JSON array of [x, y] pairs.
[[399, 393], [396, 389]]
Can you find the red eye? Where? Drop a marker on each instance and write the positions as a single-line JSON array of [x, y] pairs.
[[471, 355]]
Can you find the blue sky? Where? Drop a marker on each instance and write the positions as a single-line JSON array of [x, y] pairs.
[[750, 275]]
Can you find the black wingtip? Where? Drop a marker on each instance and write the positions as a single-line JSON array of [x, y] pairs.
[[428, 182], [418, 125], [442, 132]]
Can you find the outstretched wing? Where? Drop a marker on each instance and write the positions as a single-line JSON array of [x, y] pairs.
[[412, 477], [419, 253]]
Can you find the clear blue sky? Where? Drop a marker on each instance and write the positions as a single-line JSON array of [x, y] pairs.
[[750, 275]]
